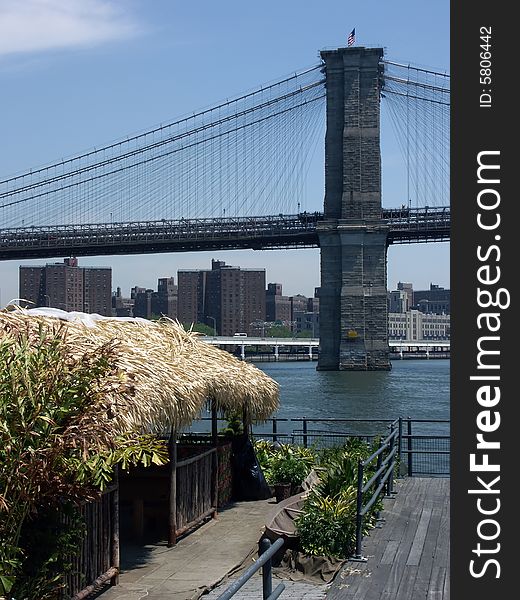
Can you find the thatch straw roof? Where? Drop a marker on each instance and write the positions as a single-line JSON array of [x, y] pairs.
[[173, 373]]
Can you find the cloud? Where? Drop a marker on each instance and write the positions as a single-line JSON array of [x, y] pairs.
[[30, 26]]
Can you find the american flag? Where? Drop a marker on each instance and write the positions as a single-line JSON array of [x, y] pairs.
[[351, 37]]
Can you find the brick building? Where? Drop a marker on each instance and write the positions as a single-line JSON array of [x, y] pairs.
[[67, 286], [226, 298]]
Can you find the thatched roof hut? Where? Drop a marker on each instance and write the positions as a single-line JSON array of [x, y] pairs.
[[172, 373]]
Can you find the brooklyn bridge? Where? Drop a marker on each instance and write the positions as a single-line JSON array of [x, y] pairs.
[[233, 175]]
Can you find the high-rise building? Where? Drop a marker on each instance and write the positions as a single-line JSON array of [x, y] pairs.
[[142, 302], [305, 314], [122, 307], [67, 286], [397, 301], [191, 295], [147, 303], [435, 300], [277, 306], [227, 298], [307, 322], [299, 313], [299, 303], [164, 301], [407, 288], [97, 290]]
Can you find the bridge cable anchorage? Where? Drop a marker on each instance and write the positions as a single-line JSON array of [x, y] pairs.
[[245, 156], [418, 103]]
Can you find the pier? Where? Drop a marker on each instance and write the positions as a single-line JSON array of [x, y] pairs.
[[264, 349], [408, 555]]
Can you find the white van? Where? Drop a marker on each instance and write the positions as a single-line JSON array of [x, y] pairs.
[[240, 335]]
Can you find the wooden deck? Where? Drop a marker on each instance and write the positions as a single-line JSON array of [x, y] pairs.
[[408, 556]]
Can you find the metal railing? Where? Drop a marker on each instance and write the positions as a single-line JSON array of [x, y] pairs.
[[265, 555], [424, 451], [303, 430], [269, 231], [385, 457], [424, 444]]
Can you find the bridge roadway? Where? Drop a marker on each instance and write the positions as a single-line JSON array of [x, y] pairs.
[[399, 346], [188, 235]]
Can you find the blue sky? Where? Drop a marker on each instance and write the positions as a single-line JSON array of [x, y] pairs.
[[76, 74]]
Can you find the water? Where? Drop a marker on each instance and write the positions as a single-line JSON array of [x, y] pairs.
[[419, 389], [413, 388]]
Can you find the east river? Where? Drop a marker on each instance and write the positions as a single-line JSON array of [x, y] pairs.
[[419, 389]]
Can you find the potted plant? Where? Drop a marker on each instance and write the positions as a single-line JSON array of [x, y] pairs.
[[288, 474]]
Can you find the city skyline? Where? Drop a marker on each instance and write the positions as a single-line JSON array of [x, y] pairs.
[[110, 74], [122, 274], [151, 279]]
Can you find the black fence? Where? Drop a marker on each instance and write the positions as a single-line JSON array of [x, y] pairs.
[[423, 444], [424, 447]]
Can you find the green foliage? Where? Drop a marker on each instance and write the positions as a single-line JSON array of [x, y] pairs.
[[339, 465], [328, 524], [281, 461], [306, 333], [199, 328], [55, 450], [289, 470], [265, 453], [49, 540], [279, 331], [234, 425]]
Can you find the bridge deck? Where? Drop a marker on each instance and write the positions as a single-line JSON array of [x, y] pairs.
[[408, 557], [189, 235]]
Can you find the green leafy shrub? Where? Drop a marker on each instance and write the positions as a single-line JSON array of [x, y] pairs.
[[289, 470], [55, 452], [328, 523], [271, 458], [234, 425], [327, 526]]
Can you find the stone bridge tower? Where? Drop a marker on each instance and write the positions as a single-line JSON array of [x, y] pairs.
[[353, 238]]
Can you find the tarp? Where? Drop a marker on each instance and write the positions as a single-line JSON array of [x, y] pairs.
[[88, 319], [248, 478], [280, 520], [297, 566]]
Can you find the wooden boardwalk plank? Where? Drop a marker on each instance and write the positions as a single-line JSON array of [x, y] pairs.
[[436, 588], [408, 557], [420, 536], [429, 553], [389, 553]]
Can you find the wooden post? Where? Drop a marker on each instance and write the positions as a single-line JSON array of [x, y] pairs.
[[410, 455], [115, 554], [172, 516], [245, 420], [214, 458], [214, 423]]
